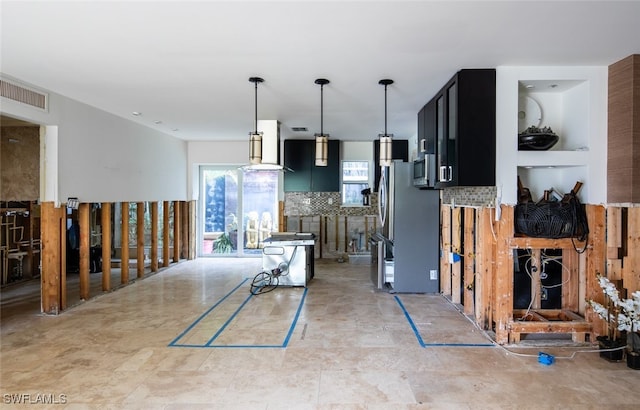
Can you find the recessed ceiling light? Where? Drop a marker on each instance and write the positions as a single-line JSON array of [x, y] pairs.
[[136, 113]]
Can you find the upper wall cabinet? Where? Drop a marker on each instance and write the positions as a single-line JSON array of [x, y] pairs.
[[459, 126], [572, 102], [299, 156]]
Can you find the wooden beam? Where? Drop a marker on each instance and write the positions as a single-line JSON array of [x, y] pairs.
[[456, 248], [154, 236], [469, 259], [85, 232], [536, 284], [631, 263], [445, 266], [166, 245], [140, 239], [504, 275], [176, 231], [485, 243], [595, 261], [184, 218], [124, 250], [570, 279], [105, 223], [540, 243], [53, 231]]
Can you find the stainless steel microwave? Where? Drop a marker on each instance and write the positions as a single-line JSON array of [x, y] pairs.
[[424, 171]]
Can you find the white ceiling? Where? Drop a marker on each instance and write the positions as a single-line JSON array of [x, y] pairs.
[[187, 64]]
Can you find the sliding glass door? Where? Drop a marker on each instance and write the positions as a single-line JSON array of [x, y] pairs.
[[239, 210]]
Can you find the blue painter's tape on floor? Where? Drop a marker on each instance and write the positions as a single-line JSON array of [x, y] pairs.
[[422, 343], [210, 342]]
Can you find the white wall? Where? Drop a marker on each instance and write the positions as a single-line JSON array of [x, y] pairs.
[[105, 158], [213, 153]]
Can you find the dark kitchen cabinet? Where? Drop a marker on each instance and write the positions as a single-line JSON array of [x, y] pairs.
[[305, 176], [427, 129], [464, 118], [399, 150]]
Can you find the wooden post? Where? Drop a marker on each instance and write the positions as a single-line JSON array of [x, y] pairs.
[[184, 218], [53, 237], [83, 220], [165, 234], [504, 276], [536, 284], [456, 246], [484, 268], [154, 236], [631, 262], [469, 260], [595, 260], [140, 238], [570, 280], [105, 222], [176, 231], [124, 251], [445, 266]]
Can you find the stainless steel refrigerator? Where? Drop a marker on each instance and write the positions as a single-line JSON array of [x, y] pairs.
[[412, 227]]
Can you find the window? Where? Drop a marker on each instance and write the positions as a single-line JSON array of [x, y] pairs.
[[355, 178]]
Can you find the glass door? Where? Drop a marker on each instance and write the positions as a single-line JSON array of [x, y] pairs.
[[219, 210], [260, 208], [238, 211]]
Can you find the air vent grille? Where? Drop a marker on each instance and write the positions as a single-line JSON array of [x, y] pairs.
[[23, 94], [299, 129]]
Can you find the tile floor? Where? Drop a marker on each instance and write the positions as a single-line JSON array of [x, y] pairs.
[[347, 347]]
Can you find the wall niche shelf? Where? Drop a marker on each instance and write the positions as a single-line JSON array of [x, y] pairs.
[[571, 101]]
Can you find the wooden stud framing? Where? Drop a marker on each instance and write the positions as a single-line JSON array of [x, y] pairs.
[[504, 276], [176, 231], [456, 246], [631, 263], [484, 251], [596, 253], [165, 233], [105, 222], [53, 287], [469, 260], [124, 250], [154, 236], [83, 220], [140, 239], [536, 284], [184, 229], [445, 266]]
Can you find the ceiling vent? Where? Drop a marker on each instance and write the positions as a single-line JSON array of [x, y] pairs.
[[299, 129], [22, 94]]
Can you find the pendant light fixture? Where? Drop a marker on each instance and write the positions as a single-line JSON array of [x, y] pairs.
[[255, 137], [386, 156], [322, 140]]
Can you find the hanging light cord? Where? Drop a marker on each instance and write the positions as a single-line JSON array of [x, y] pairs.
[[385, 110], [321, 108], [256, 107]]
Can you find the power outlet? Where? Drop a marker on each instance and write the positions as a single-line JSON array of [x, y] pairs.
[[433, 274], [306, 201]]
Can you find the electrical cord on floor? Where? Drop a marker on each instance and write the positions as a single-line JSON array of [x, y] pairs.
[[510, 352], [268, 280]]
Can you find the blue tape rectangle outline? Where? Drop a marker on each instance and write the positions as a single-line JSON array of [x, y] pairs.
[[209, 344], [422, 343]]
